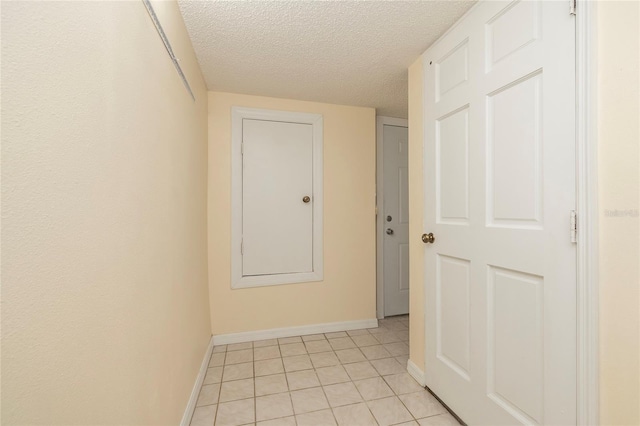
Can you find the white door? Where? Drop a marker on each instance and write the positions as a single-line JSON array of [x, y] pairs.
[[277, 176], [499, 188], [396, 220]]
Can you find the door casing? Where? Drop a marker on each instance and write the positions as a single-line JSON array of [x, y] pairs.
[[381, 121]]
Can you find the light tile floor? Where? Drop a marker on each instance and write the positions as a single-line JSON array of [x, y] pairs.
[[348, 378]]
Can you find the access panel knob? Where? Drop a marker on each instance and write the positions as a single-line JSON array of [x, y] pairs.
[[428, 238], [306, 199]]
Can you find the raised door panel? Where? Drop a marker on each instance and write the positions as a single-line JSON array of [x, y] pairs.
[[515, 343], [452, 168], [452, 70], [452, 317], [514, 169], [514, 28]]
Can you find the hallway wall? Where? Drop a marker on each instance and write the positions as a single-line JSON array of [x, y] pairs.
[[416, 214], [105, 315], [348, 291], [619, 190]]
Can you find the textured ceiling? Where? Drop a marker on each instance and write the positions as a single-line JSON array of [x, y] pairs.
[[342, 52]]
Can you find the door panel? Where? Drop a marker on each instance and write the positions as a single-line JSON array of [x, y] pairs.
[[511, 30], [396, 206], [514, 154], [452, 70], [452, 293], [515, 344], [452, 168], [277, 173], [500, 277]]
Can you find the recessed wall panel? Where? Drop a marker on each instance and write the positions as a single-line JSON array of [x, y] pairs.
[[452, 304], [515, 27], [277, 228], [452, 70], [515, 342], [452, 163], [514, 163]]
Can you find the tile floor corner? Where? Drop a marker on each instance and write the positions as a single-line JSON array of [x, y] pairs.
[[352, 378]]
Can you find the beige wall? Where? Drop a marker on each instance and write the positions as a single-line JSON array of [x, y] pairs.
[[416, 216], [618, 143], [348, 291], [105, 317], [618, 123]]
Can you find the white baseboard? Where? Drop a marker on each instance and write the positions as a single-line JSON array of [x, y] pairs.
[[191, 404], [249, 336], [416, 373]]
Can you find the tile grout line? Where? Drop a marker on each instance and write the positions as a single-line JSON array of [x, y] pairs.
[[364, 399], [255, 394], [324, 392], [286, 379], [224, 361]]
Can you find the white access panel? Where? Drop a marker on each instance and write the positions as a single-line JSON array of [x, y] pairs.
[[276, 176], [276, 197]]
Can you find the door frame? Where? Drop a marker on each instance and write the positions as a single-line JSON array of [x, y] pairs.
[[588, 391], [587, 260], [381, 121]]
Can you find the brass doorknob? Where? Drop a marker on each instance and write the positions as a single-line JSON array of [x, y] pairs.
[[306, 199], [428, 238]]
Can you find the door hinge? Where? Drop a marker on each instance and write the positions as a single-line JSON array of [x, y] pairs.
[[241, 246], [242, 148], [574, 226], [572, 7]]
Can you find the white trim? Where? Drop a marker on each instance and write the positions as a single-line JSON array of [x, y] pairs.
[[316, 121], [191, 404], [416, 373], [587, 208], [381, 121], [250, 336]]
